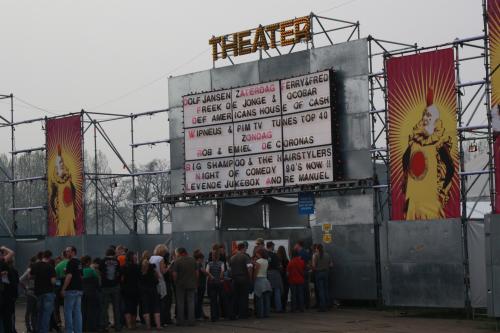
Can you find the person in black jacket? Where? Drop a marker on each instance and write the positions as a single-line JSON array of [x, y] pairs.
[[10, 293], [90, 298], [110, 283], [150, 299], [130, 288]]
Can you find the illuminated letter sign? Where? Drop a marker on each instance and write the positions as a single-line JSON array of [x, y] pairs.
[[262, 38]]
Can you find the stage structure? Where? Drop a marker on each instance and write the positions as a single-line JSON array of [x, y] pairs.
[[377, 257]]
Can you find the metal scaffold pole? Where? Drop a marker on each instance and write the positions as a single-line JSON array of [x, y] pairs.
[[463, 182], [134, 192], [13, 165], [487, 88], [96, 183], [378, 218]]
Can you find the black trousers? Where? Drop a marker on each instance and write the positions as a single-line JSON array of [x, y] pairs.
[[91, 311], [241, 286]]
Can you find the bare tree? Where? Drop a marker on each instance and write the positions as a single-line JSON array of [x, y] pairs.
[[150, 189], [114, 212]]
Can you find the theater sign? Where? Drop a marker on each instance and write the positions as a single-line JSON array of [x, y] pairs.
[[267, 37]]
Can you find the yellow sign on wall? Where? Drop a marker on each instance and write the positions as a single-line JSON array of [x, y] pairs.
[[262, 38], [326, 227], [327, 238]]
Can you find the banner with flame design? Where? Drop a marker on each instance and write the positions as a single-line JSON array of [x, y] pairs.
[[494, 36], [65, 176], [423, 136]]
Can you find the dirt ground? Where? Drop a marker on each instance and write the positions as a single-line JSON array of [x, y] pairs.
[[335, 321]]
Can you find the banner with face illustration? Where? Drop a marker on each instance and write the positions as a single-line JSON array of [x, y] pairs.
[[65, 176], [423, 136]]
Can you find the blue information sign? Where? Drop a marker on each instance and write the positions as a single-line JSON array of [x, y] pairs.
[[306, 203]]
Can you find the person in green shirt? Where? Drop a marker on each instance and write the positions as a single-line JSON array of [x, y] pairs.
[[88, 271], [61, 269]]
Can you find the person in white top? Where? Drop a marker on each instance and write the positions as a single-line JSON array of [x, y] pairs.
[[262, 287], [158, 260]]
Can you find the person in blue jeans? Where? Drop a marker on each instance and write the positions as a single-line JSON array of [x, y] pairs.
[[44, 276], [262, 287], [274, 276], [72, 291], [321, 264]]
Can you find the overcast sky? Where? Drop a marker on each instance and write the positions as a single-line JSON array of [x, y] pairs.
[[115, 55]]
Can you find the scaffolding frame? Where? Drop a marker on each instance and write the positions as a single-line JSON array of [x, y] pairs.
[[470, 97], [89, 120]]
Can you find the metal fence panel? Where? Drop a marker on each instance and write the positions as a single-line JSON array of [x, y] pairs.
[[24, 250], [477, 263], [148, 242], [437, 241], [426, 285], [352, 250], [492, 235], [424, 264]]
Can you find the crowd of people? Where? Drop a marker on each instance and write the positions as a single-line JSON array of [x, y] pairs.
[[142, 288]]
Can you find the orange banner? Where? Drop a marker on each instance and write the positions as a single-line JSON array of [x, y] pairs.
[[423, 136], [65, 176]]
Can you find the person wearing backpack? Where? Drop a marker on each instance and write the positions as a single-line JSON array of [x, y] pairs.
[[110, 286]]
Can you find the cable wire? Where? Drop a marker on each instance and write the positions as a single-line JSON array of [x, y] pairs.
[[336, 6], [53, 112], [164, 76]]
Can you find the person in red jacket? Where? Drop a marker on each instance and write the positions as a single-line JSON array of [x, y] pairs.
[[295, 270]]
